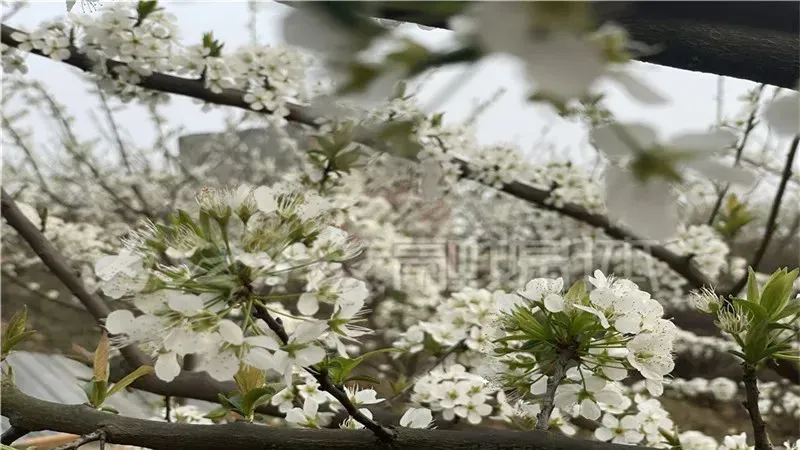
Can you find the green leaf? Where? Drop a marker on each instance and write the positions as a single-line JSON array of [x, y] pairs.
[[759, 312], [96, 392], [777, 291], [232, 403], [217, 413], [15, 332], [577, 292], [752, 286], [254, 398], [737, 353], [361, 76], [129, 378], [109, 409], [340, 367], [365, 378]]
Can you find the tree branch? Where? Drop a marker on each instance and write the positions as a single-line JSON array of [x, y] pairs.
[[30, 413], [12, 434], [522, 190], [751, 124], [751, 403], [97, 436], [556, 376], [771, 220], [325, 382], [755, 41]]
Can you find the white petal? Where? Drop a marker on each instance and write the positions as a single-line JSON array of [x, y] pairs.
[[188, 304], [119, 321], [308, 331], [222, 366], [650, 208], [615, 373], [608, 397], [416, 418], [309, 355], [603, 434], [638, 89], [231, 332], [589, 409], [721, 172], [554, 302], [310, 407], [704, 142], [167, 367], [307, 304], [295, 415], [265, 199], [152, 302], [655, 387], [783, 115], [574, 64], [260, 358], [610, 138], [265, 341], [628, 323]]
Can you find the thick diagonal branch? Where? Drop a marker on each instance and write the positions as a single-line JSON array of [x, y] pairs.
[[29, 413]]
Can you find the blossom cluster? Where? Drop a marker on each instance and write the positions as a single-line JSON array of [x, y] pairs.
[[194, 278]]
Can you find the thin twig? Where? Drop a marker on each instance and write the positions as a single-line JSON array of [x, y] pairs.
[[97, 436], [12, 434], [750, 381], [325, 383], [167, 408], [769, 230], [751, 124], [123, 151]]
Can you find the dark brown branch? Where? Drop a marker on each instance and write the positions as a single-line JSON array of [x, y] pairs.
[[750, 381], [758, 41], [12, 434], [326, 384], [30, 413], [97, 436], [524, 191], [556, 375], [772, 220]]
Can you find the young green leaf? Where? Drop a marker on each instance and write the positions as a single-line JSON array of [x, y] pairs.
[[130, 378]]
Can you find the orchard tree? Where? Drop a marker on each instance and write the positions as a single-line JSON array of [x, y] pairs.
[[568, 317]]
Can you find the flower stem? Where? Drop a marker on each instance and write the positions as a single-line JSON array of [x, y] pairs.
[[751, 404], [557, 375]]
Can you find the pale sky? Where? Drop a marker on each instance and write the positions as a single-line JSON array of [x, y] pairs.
[[511, 119]]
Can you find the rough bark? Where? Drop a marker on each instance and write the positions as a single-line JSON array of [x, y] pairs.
[[29, 413], [751, 404], [757, 41]]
